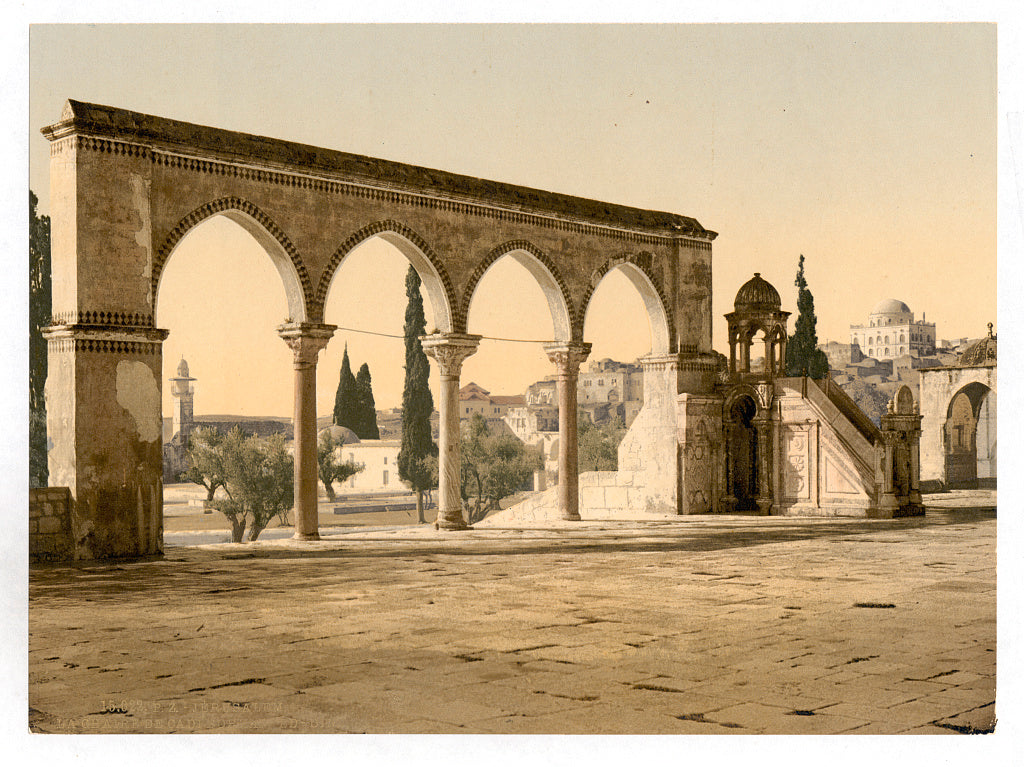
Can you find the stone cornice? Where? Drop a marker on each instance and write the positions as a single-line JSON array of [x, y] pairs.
[[104, 339], [216, 150]]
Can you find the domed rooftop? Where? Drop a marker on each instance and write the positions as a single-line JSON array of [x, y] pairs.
[[981, 352], [758, 294], [891, 306], [341, 435], [183, 369]]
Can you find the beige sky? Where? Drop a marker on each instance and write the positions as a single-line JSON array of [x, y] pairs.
[[871, 149]]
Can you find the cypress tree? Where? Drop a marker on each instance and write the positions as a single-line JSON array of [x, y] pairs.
[[346, 399], [367, 407], [417, 402], [39, 308], [802, 353]]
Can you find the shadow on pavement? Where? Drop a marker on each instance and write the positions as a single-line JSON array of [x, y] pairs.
[[185, 567]]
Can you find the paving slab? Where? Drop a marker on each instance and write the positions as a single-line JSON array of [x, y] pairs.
[[723, 625]]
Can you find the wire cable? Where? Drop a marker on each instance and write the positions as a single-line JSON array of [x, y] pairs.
[[483, 338]]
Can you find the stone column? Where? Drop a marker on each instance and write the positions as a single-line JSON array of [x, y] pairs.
[[765, 500], [888, 502], [305, 339], [450, 350], [915, 466], [567, 359]]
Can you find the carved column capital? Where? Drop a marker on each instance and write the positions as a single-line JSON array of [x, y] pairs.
[[450, 350], [306, 339], [567, 357]]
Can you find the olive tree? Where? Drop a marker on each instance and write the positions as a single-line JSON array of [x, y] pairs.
[[330, 467], [258, 482], [206, 459], [494, 466]]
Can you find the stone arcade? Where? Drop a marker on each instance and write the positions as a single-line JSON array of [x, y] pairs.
[[127, 187]]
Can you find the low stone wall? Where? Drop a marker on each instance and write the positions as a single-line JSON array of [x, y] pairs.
[[603, 495], [49, 525]]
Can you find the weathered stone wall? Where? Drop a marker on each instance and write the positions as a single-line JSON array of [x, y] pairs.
[[648, 453], [938, 387], [49, 524], [603, 495], [701, 453]]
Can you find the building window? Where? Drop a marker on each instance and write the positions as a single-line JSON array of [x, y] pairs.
[[385, 477], [385, 460]]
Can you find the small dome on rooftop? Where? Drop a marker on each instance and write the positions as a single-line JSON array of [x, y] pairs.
[[891, 306], [341, 435], [183, 369], [981, 352], [758, 293]]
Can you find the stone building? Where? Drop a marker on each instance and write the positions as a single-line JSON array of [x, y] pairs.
[[610, 389], [378, 457], [892, 332], [958, 405], [475, 399]]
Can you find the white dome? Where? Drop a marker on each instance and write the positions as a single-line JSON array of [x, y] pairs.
[[341, 435], [891, 306]]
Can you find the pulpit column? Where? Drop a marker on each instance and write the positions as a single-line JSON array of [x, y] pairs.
[[305, 339], [765, 463]]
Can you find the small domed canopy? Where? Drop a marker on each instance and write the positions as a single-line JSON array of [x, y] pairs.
[[981, 352], [340, 434], [757, 293], [183, 369], [891, 306], [758, 310]]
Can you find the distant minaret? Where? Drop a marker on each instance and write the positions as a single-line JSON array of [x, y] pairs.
[[182, 391]]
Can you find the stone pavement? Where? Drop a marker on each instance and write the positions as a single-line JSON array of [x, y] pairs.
[[692, 625]]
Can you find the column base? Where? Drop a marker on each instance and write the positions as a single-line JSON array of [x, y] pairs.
[[571, 516], [764, 506], [451, 521], [888, 503], [306, 536]]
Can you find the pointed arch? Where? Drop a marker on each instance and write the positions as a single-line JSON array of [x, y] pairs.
[[297, 285], [543, 269], [637, 268], [423, 259], [737, 393]]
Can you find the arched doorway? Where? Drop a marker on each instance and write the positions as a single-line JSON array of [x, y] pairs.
[[741, 455], [969, 436]]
